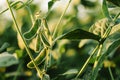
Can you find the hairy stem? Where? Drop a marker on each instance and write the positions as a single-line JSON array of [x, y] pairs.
[[56, 27], [87, 61], [111, 75], [98, 55], [116, 17], [25, 43]]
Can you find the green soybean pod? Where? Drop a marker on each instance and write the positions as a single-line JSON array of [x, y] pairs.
[[33, 31], [39, 59], [44, 39], [47, 33], [44, 21], [38, 44]]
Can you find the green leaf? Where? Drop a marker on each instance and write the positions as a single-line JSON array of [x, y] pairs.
[[79, 34], [71, 71], [100, 27], [116, 2], [105, 9], [50, 4], [20, 53], [39, 59], [4, 46], [7, 59], [110, 44], [32, 32]]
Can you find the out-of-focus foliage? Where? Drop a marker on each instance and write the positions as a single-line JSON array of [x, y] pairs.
[[117, 2], [67, 56]]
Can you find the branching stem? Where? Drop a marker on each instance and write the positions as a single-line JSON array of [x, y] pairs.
[[25, 43], [87, 62], [56, 27]]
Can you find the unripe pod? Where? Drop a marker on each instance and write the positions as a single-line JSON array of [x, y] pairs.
[[39, 59]]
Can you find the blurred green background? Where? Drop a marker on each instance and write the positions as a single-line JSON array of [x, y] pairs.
[[66, 54]]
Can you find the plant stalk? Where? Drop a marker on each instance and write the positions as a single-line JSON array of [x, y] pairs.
[[98, 55], [25, 43], [111, 75], [87, 61], [106, 34], [115, 18], [56, 27]]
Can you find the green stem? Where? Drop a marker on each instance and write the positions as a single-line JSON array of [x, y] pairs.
[[56, 27], [48, 12], [15, 3], [99, 46], [110, 26], [87, 61], [12, 5], [31, 15], [25, 43], [112, 78], [18, 69], [98, 55], [11, 74], [115, 18], [28, 8], [102, 41]]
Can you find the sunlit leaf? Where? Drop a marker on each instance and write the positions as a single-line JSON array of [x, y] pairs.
[[99, 27], [7, 59], [115, 28], [20, 42]]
